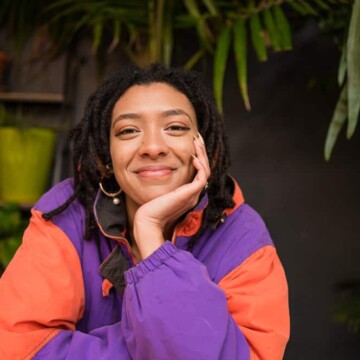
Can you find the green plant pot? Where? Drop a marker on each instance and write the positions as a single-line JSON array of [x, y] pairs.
[[26, 157]]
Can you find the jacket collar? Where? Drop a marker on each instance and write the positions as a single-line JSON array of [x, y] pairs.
[[111, 218]]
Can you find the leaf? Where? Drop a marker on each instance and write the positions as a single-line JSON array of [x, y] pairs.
[[337, 122], [284, 28], [353, 69], [97, 34], [240, 50], [322, 4], [8, 248], [116, 36], [297, 7], [342, 67], [212, 7], [272, 30], [309, 9], [202, 29], [257, 37], [168, 41], [220, 62], [194, 59]]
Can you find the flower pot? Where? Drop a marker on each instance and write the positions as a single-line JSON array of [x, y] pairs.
[[26, 157]]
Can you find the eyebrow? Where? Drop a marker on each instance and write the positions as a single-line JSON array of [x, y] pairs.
[[165, 114]]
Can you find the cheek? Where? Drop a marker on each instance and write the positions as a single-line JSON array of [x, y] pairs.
[[184, 147], [119, 157]]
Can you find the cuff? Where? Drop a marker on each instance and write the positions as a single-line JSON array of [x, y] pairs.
[[151, 263]]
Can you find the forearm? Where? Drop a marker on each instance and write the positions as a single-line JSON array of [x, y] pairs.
[[104, 343], [172, 309]]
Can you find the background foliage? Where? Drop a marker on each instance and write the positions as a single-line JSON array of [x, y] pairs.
[[149, 30]]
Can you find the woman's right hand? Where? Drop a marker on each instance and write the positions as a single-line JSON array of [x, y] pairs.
[[158, 215]]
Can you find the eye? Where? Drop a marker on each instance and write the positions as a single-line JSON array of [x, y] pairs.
[[126, 133], [177, 129]]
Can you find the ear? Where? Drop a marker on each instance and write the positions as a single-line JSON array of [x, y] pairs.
[[105, 171]]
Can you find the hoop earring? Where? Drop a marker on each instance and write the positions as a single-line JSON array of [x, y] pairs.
[[115, 199]]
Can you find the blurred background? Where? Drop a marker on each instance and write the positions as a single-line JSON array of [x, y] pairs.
[[285, 75]]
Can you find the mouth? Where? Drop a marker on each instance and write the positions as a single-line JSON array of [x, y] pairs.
[[154, 171]]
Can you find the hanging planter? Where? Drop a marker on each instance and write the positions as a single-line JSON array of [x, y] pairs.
[[26, 156]]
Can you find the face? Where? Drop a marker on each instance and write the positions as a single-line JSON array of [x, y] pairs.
[[151, 141]]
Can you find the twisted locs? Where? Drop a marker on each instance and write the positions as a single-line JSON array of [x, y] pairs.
[[90, 139]]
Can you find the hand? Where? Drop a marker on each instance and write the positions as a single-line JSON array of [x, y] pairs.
[[156, 216]]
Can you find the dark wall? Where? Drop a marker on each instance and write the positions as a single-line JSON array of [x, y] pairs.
[[311, 207]]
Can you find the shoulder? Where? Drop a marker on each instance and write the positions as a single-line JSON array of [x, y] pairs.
[[241, 235], [56, 196], [244, 232], [246, 223], [71, 220]]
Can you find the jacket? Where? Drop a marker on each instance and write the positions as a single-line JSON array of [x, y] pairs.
[[63, 297]]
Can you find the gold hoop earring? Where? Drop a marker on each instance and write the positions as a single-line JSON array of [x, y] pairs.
[[115, 199]]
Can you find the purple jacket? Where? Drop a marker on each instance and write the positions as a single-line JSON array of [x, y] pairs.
[[63, 297]]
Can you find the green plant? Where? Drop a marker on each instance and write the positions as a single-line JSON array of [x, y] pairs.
[[347, 309], [12, 226], [10, 119], [348, 105], [150, 30]]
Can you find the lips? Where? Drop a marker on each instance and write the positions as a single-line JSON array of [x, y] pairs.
[[154, 171]]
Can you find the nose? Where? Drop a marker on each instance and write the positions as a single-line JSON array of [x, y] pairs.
[[153, 145]]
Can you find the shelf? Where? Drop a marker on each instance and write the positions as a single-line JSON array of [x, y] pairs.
[[38, 98]]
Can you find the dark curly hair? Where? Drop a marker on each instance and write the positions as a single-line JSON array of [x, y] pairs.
[[90, 139]]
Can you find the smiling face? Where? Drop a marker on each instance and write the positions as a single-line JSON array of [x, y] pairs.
[[151, 141]]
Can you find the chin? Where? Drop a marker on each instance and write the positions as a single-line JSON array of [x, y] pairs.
[[152, 194]]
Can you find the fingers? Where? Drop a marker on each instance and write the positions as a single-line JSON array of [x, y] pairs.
[[201, 154]]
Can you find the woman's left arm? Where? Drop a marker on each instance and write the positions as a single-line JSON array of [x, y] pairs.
[[172, 310]]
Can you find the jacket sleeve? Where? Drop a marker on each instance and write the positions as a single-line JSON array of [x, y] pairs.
[[42, 299], [172, 310], [257, 297]]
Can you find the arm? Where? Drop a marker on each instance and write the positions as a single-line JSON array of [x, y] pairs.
[[257, 297], [172, 310], [42, 299]]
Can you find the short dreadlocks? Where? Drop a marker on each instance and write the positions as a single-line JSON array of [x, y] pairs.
[[91, 146]]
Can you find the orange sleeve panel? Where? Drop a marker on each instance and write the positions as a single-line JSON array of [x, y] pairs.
[[42, 279], [257, 297]]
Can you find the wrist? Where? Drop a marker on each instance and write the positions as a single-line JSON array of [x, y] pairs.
[[147, 237]]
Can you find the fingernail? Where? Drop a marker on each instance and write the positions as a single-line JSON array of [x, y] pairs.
[[201, 139], [197, 140]]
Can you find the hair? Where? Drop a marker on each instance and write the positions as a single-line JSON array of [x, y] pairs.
[[90, 139]]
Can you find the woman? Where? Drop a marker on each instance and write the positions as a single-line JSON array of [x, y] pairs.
[[149, 252]]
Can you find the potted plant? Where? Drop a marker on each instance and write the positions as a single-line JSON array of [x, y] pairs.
[[12, 226], [26, 155]]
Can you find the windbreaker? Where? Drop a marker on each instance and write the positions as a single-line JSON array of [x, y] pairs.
[[63, 297]]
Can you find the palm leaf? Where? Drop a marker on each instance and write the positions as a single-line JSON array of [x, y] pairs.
[[353, 69], [257, 37], [116, 35], [202, 28], [284, 28], [220, 62], [337, 122], [212, 7], [240, 50], [168, 41], [272, 29]]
